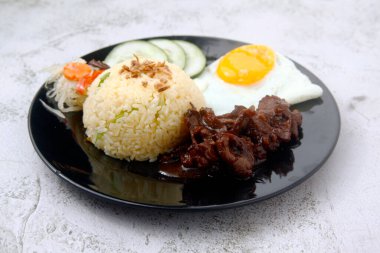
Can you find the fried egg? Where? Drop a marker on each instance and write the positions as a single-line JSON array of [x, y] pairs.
[[246, 74]]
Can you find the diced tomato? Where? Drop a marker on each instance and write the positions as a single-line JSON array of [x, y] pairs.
[[74, 71], [86, 81]]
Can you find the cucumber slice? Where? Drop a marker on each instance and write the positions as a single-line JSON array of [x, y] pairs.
[[195, 59], [175, 53], [137, 47]]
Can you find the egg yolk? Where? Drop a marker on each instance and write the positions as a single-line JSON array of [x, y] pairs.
[[246, 64]]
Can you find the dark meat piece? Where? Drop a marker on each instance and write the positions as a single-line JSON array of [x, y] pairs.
[[175, 154], [211, 121], [98, 64], [259, 153], [284, 122], [239, 139], [192, 118], [243, 121], [273, 123], [261, 133], [228, 119], [236, 152], [202, 155], [198, 131], [201, 134], [235, 113]]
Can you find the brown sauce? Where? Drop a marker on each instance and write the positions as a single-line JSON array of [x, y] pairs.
[[175, 169]]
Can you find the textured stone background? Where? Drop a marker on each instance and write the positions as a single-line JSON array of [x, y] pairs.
[[337, 210]]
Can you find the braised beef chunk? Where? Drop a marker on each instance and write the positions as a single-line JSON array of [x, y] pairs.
[[202, 155], [237, 152], [98, 64], [239, 139], [284, 121], [243, 121], [211, 121]]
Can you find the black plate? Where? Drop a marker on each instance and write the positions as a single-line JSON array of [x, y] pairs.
[[61, 145]]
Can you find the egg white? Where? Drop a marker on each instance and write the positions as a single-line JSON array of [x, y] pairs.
[[284, 81]]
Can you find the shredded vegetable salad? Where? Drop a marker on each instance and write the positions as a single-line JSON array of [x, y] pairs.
[[68, 84]]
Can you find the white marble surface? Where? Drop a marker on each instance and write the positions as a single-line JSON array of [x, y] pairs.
[[337, 210]]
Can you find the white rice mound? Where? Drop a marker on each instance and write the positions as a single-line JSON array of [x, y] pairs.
[[129, 121]]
